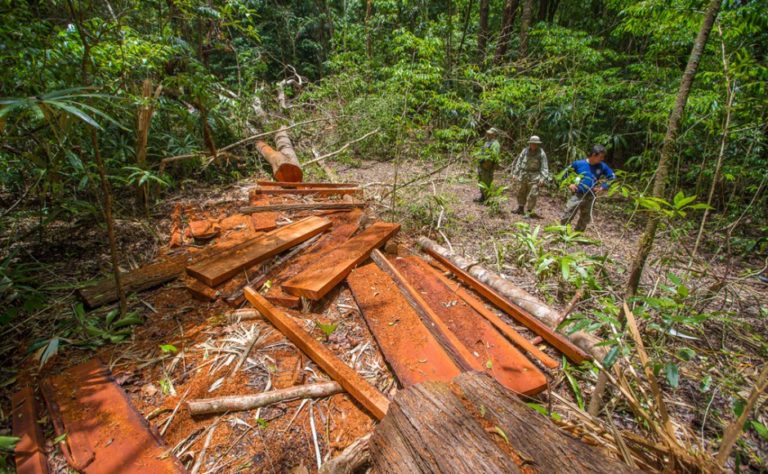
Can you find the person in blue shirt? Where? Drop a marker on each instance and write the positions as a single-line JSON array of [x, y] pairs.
[[593, 177]]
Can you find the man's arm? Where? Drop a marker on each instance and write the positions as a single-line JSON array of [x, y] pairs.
[[544, 173], [609, 175]]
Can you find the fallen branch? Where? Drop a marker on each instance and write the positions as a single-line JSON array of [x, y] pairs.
[[334, 153], [315, 206], [352, 459], [249, 402]]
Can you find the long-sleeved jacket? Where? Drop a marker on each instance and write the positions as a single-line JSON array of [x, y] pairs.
[[531, 165], [590, 175]]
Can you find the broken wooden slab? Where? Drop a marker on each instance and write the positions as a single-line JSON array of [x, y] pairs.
[[262, 221], [217, 268], [304, 185], [408, 346], [331, 268], [520, 315], [29, 454], [499, 324], [104, 433], [366, 394], [463, 358], [474, 425], [199, 290], [344, 226], [314, 206], [500, 358]]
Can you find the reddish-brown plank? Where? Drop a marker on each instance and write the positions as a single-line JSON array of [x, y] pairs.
[[317, 191], [365, 393], [344, 226], [219, 267], [331, 268], [500, 358], [28, 454], [520, 315], [411, 350], [92, 407], [262, 221], [503, 327], [199, 290], [284, 184]]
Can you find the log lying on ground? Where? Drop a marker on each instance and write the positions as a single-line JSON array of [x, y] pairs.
[[315, 206], [284, 145], [283, 168], [305, 185], [585, 341], [475, 425], [324, 192], [207, 406]]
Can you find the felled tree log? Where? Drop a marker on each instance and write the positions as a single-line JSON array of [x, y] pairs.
[[475, 425], [207, 406], [520, 297], [283, 167], [284, 145]]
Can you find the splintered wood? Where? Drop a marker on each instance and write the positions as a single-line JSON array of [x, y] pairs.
[[411, 350], [366, 394], [220, 267], [316, 281], [475, 425], [104, 433]]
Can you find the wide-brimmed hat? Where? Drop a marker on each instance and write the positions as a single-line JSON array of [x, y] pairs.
[[534, 139], [492, 131]]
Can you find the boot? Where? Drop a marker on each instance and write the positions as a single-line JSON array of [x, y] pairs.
[[520, 210]]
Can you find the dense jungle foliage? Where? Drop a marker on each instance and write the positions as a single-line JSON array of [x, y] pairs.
[[79, 78]]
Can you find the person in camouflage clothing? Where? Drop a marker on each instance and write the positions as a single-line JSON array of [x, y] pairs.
[[531, 170], [488, 158]]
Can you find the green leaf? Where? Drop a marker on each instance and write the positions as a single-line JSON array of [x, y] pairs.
[[60, 438], [673, 375], [327, 329], [705, 383], [611, 357], [168, 348], [489, 364], [738, 406], [71, 110], [501, 433], [760, 429], [50, 350], [686, 353], [8, 443]]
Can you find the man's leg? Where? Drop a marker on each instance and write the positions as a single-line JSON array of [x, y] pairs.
[[585, 212], [485, 177], [533, 196], [570, 209], [522, 195]]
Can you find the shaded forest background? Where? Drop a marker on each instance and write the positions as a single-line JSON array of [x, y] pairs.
[[94, 95]]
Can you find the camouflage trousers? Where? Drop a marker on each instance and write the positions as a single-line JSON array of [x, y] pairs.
[[583, 204], [485, 171], [528, 192]]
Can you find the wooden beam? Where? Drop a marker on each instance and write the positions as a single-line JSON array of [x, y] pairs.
[[562, 344], [314, 206], [353, 383], [318, 191], [218, 268], [503, 327], [332, 267], [434, 323], [29, 453], [285, 184]]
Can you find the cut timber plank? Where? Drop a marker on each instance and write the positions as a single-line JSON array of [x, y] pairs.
[[344, 226], [284, 184], [411, 350], [199, 290], [503, 327], [143, 278], [368, 396], [28, 454], [463, 358], [215, 269], [331, 268], [432, 431], [474, 425], [500, 358], [262, 221], [560, 343], [93, 409], [314, 206], [318, 191]]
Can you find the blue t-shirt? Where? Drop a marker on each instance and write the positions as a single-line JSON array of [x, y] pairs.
[[591, 174]]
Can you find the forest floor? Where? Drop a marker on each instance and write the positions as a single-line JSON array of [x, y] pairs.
[[208, 338]]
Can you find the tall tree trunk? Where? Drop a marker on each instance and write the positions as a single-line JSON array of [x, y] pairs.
[[482, 33], [464, 30], [730, 92], [449, 41], [143, 121], [543, 10], [510, 9], [552, 10], [368, 9], [525, 23], [673, 127]]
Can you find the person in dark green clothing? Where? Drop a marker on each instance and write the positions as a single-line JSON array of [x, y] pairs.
[[488, 158]]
